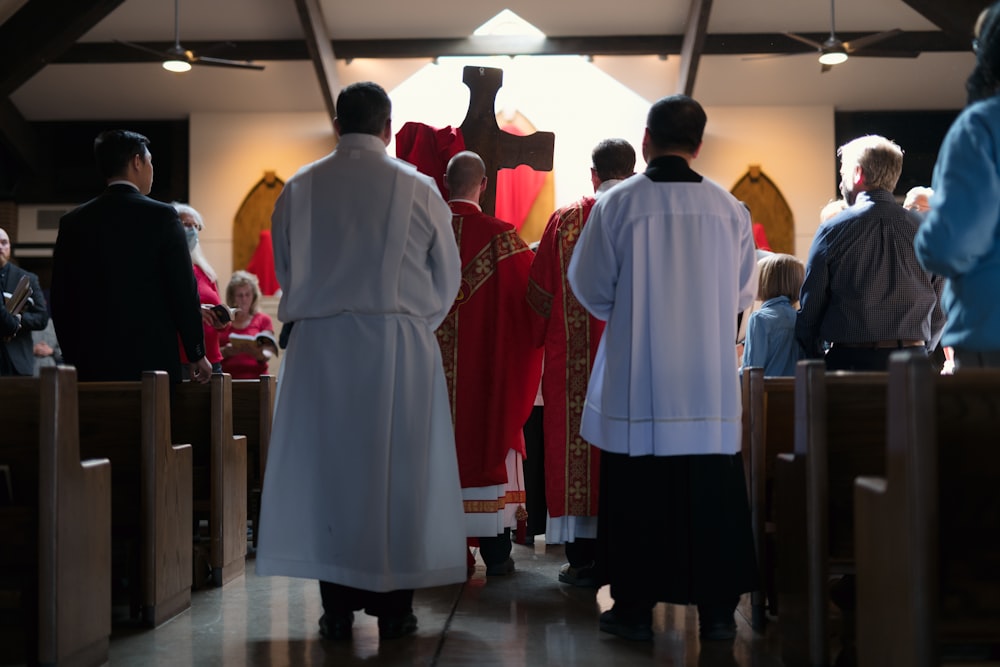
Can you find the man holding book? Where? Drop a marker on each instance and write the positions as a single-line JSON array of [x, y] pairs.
[[16, 355]]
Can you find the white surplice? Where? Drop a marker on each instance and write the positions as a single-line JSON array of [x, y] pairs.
[[668, 265], [362, 484]]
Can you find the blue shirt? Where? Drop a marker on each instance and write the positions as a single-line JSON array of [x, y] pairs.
[[960, 239], [770, 342], [863, 283]]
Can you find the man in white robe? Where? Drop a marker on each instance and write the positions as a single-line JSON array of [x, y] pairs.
[[667, 259], [362, 489]]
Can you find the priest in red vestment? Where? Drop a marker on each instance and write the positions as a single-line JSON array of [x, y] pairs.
[[570, 336], [491, 363]]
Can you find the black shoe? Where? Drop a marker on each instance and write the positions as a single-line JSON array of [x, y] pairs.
[[638, 632], [394, 627], [500, 569], [336, 628], [578, 576], [716, 622]]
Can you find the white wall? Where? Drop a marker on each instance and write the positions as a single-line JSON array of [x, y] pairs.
[[794, 145]]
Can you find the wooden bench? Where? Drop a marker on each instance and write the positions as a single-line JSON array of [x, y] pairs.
[[129, 423], [57, 527], [253, 413], [768, 431], [202, 414], [928, 531], [840, 431]]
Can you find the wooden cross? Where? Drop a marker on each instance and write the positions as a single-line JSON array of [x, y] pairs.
[[499, 149]]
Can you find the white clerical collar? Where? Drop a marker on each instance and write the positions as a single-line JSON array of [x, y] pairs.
[[606, 185], [122, 181], [467, 201]]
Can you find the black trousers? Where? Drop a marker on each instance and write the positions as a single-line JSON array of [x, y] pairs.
[[495, 550], [862, 359], [339, 600], [675, 529], [534, 472]]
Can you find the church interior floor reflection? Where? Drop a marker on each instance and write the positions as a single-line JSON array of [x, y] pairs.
[[526, 618]]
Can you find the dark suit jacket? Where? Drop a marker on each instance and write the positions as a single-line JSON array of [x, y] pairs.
[[123, 288], [34, 317]]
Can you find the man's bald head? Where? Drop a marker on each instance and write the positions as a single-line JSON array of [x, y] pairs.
[[4, 247], [466, 176]]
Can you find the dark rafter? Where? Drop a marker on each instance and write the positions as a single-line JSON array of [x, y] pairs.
[[19, 138], [955, 17], [37, 34], [694, 43], [724, 44], [320, 51], [40, 31]]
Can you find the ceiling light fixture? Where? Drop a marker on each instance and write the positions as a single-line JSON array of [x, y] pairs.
[[833, 55], [176, 65]]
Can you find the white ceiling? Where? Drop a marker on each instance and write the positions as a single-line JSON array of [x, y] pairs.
[[145, 91]]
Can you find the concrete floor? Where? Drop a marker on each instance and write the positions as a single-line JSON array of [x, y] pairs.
[[527, 618]]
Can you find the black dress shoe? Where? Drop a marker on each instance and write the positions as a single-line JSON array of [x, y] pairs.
[[500, 569], [394, 627], [336, 627], [637, 631], [584, 577]]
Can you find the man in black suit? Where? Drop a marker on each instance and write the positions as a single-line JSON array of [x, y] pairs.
[[16, 354], [122, 284]]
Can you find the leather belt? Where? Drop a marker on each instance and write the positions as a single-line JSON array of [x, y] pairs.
[[895, 343]]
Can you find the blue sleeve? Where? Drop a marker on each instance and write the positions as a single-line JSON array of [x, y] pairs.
[[755, 345], [962, 224], [813, 298]]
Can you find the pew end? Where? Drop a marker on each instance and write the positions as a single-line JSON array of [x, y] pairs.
[[61, 508]]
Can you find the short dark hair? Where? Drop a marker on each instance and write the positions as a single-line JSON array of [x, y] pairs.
[[363, 108], [676, 122], [985, 78], [613, 158], [114, 148]]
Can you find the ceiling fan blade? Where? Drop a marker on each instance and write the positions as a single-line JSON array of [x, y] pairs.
[[159, 54], [868, 40], [879, 53], [222, 62], [804, 40], [768, 56]]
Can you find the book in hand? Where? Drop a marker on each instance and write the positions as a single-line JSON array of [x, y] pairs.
[[251, 343], [222, 311], [20, 297]]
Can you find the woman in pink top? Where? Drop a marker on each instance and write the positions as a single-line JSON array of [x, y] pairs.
[[249, 343]]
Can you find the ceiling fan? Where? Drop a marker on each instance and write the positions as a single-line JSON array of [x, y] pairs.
[[178, 59], [834, 51]]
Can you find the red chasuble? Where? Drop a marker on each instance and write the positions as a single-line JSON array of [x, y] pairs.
[[570, 336], [491, 363]]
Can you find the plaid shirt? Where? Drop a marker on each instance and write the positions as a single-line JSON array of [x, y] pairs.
[[863, 283]]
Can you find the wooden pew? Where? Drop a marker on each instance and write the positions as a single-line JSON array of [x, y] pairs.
[[840, 431], [253, 412], [129, 423], [202, 414], [928, 532], [768, 431], [57, 528]]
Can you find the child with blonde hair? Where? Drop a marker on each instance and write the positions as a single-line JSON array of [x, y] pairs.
[[770, 341]]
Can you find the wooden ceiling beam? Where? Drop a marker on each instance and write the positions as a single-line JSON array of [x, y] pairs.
[[320, 52], [40, 31], [693, 45], [955, 17]]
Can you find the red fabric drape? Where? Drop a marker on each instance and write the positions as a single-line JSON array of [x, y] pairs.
[[262, 264], [517, 189]]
